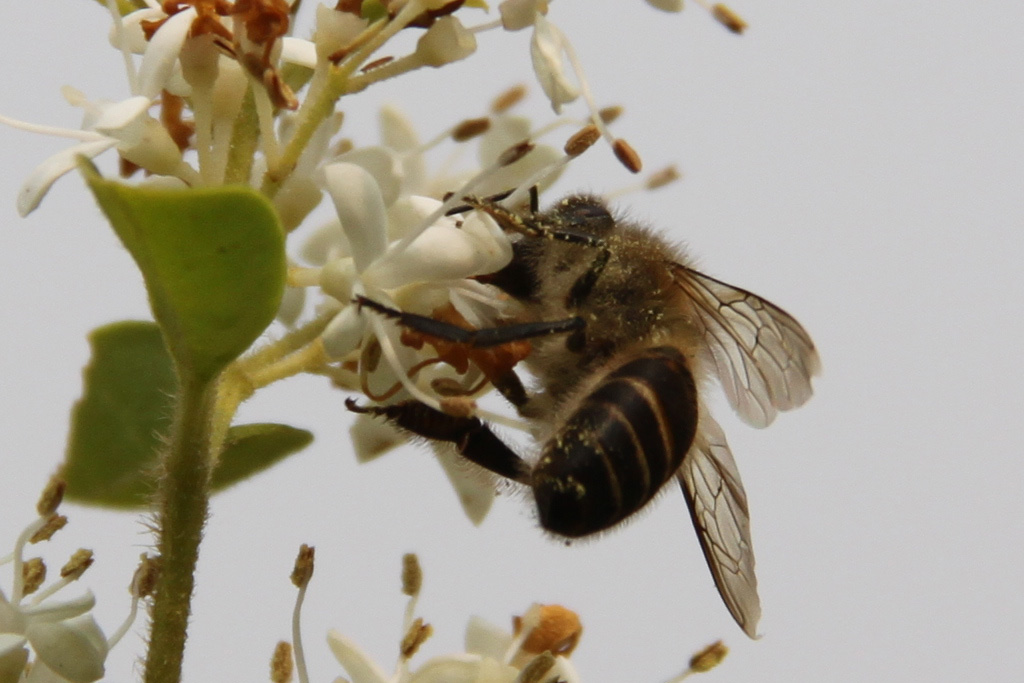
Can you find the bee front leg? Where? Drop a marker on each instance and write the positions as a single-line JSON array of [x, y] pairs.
[[479, 338], [472, 438]]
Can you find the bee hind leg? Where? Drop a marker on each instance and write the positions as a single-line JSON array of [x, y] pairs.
[[472, 437]]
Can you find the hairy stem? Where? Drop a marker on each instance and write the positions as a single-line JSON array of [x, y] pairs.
[[182, 507]]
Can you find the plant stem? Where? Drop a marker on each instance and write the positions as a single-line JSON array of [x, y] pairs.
[[182, 509]]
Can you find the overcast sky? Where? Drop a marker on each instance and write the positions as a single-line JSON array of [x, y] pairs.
[[861, 164]]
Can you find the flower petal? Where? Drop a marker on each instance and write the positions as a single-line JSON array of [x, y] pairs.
[[441, 252], [546, 48], [74, 648], [487, 639], [46, 173], [162, 54], [372, 437], [383, 165], [358, 665], [360, 206], [51, 610], [343, 334], [13, 656], [474, 487]]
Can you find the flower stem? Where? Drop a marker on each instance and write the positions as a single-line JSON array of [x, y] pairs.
[[182, 502]]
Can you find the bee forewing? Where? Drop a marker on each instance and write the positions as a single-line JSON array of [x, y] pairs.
[[763, 357], [718, 506]]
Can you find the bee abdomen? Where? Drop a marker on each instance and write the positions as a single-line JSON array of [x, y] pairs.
[[623, 443]]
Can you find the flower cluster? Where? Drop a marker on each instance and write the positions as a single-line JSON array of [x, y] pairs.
[[67, 642]]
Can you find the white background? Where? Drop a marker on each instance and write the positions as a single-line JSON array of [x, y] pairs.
[[861, 164]]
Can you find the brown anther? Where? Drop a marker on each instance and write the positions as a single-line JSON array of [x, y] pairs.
[[538, 667], [708, 658], [171, 109], [51, 497], [427, 19], [73, 569], [515, 153], [627, 156], [145, 577], [508, 99], [350, 6], [447, 386], [412, 575], [282, 665], [470, 128], [582, 140], [33, 573], [416, 636], [370, 66], [458, 406], [729, 19], [661, 178], [54, 524], [303, 570], [370, 358], [558, 631], [609, 114]]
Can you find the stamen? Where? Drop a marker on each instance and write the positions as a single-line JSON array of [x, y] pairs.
[[301, 575]]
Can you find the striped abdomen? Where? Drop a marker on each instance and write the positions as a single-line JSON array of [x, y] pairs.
[[623, 443]]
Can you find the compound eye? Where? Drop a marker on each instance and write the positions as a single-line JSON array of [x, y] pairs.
[[588, 214]]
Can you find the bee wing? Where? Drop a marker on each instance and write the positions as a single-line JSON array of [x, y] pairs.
[[718, 506], [763, 357]]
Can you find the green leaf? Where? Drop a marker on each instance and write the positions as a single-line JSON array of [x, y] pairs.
[[253, 448], [116, 426], [126, 407], [213, 261]]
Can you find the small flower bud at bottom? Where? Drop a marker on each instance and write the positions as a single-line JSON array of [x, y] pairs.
[[627, 156], [281, 665], [74, 568], [412, 575], [470, 128], [558, 630], [729, 19], [54, 524], [508, 99], [51, 497], [708, 658], [582, 140], [416, 636], [303, 570]]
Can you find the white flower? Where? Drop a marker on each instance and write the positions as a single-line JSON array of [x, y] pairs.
[[545, 637], [67, 641], [126, 125]]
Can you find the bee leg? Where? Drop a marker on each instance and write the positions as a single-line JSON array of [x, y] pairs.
[[472, 438], [481, 338]]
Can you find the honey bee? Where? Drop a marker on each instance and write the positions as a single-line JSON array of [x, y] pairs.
[[626, 336]]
